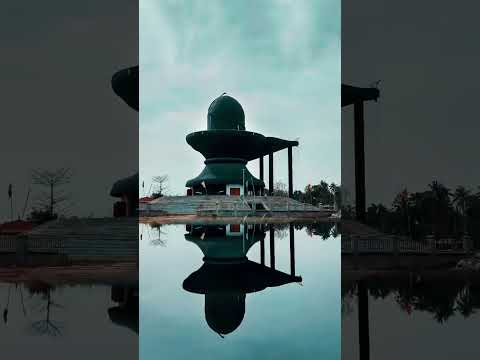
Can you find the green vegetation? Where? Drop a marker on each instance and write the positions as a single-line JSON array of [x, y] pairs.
[[318, 194], [437, 211]]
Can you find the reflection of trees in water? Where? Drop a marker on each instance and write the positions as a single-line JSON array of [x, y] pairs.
[[45, 326], [10, 298], [441, 299], [281, 230], [466, 302], [156, 239], [325, 230], [348, 299]]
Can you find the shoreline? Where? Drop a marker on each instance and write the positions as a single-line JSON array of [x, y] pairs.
[[102, 274], [210, 219]]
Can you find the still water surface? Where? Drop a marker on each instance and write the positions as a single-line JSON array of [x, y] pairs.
[[411, 318], [210, 292], [67, 322]]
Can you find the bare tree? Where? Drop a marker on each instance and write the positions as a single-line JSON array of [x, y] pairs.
[[160, 185], [52, 180], [46, 326], [158, 241]]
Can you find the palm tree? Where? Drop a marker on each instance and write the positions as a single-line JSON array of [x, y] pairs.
[[460, 199]]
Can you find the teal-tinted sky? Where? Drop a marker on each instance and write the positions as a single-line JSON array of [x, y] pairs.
[[280, 59]]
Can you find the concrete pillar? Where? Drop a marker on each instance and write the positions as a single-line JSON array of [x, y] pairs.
[[359, 138], [261, 167], [272, 248], [262, 251], [261, 171], [290, 173], [292, 250], [270, 174], [363, 321]]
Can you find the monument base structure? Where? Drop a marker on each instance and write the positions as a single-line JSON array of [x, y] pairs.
[[222, 207]]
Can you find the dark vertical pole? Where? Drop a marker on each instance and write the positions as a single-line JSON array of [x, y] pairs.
[[363, 328], [261, 167], [270, 174], [290, 173], [262, 251], [359, 161], [272, 248], [292, 250], [261, 170], [51, 200]]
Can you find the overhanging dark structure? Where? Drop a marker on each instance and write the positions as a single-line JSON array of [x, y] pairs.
[[125, 84], [356, 96]]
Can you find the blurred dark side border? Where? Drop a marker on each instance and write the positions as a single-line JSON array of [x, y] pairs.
[[410, 189], [69, 152]]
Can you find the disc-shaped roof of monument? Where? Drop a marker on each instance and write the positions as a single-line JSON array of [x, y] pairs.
[[124, 316], [246, 277], [352, 94], [126, 186], [125, 85], [236, 143]]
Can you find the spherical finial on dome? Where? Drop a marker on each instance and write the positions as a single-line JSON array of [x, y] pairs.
[[225, 113]]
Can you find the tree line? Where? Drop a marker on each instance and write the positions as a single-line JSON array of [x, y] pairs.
[[438, 210], [317, 194]]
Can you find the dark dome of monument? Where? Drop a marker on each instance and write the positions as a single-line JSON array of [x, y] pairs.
[[225, 113], [224, 312]]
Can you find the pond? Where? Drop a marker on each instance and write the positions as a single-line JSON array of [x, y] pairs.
[[69, 321], [240, 291], [411, 317]]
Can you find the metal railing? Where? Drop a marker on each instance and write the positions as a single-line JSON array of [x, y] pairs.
[[400, 245]]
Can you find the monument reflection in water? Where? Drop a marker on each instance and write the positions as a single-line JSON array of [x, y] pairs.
[[239, 291], [227, 275]]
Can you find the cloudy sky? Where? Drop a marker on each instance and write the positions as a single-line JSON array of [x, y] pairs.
[[425, 126], [279, 59], [58, 107]]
